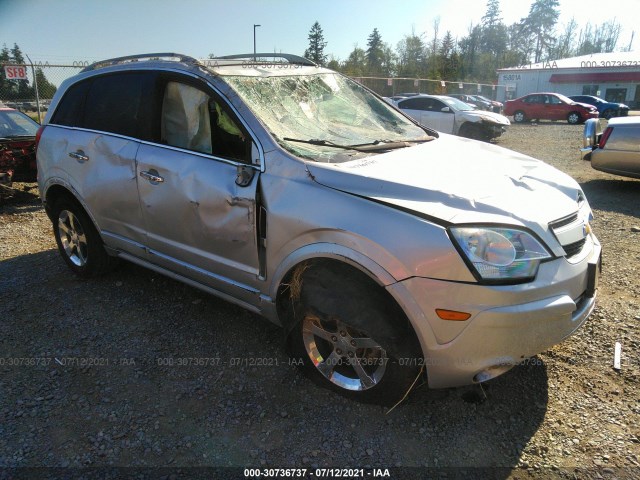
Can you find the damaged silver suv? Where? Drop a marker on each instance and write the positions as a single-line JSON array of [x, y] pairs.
[[384, 249]]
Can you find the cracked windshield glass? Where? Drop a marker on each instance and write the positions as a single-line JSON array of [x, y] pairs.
[[325, 117]]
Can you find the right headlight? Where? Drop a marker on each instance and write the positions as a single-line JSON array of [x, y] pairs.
[[500, 254]]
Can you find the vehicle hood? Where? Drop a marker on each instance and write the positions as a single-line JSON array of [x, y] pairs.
[[483, 115], [456, 180], [585, 105]]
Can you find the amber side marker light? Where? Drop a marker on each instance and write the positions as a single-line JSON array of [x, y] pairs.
[[452, 315]]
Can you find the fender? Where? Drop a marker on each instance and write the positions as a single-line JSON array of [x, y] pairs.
[[366, 265]]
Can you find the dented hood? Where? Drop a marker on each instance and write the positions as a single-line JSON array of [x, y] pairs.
[[491, 117], [459, 181]]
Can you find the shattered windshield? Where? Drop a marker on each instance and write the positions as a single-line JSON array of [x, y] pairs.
[[325, 117]]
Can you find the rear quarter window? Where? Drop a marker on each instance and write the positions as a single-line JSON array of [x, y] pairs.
[[116, 103]]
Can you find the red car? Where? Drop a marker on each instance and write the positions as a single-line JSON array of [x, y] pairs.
[[549, 106], [17, 141]]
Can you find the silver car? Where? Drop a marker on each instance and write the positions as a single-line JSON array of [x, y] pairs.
[[451, 115], [613, 146], [385, 250]]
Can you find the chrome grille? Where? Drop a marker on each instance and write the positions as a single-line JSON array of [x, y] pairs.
[[564, 221], [573, 249]]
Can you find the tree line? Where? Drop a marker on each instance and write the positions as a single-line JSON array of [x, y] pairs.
[[488, 46], [21, 89]]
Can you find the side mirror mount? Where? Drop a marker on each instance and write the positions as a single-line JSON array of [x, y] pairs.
[[244, 175]]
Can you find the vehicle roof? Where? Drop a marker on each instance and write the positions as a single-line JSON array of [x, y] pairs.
[[248, 65]]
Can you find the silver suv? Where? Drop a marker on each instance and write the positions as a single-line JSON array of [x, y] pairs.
[[384, 249]]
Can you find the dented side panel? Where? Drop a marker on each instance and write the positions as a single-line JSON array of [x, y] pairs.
[[198, 220], [105, 182]]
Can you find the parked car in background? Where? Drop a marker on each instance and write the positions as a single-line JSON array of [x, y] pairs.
[[614, 148], [384, 249], [605, 109], [549, 106], [17, 147], [471, 100], [450, 115], [495, 105]]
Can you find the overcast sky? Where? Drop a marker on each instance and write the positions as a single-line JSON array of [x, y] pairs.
[[65, 31]]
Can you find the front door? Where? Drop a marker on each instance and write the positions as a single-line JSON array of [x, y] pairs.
[[200, 222]]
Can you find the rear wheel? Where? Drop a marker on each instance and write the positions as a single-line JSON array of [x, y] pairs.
[[574, 118], [519, 117], [350, 337], [78, 241]]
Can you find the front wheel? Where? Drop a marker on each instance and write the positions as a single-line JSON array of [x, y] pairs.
[[348, 336], [519, 117], [475, 132], [574, 118], [78, 241]]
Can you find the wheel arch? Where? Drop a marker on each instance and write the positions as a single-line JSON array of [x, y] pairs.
[[54, 191], [365, 268]]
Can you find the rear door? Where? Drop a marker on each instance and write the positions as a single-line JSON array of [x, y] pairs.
[[91, 145], [201, 223]]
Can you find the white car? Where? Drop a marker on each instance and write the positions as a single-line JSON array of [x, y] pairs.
[[450, 115]]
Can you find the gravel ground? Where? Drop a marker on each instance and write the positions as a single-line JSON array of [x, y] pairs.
[[100, 380]]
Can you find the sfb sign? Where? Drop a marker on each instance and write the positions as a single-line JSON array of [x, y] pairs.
[[15, 72]]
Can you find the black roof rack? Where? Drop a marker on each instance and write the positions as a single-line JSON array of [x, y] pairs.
[[145, 56], [257, 58]]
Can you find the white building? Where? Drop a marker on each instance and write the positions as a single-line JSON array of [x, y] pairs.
[[612, 76]]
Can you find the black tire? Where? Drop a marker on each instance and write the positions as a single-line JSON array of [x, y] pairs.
[[608, 114], [574, 118], [473, 131], [519, 117], [78, 240], [349, 336]]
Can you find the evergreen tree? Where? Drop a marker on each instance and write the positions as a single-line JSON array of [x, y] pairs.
[[375, 53], [356, 63], [315, 52], [540, 25], [45, 88]]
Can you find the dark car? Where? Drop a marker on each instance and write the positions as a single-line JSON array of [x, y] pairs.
[[472, 100], [496, 106], [17, 142], [605, 109], [549, 106]]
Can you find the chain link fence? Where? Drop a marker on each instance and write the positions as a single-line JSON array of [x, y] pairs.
[[33, 94], [388, 87], [24, 96]]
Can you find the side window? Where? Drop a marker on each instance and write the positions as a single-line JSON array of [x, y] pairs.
[[438, 105], [193, 120], [185, 121], [70, 110], [118, 104], [415, 103]]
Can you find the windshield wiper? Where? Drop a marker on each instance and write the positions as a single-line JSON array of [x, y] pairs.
[[376, 145]]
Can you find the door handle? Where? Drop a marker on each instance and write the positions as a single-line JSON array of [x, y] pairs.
[[79, 156], [152, 176]]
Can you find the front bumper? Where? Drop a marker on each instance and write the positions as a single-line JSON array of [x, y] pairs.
[[508, 324]]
